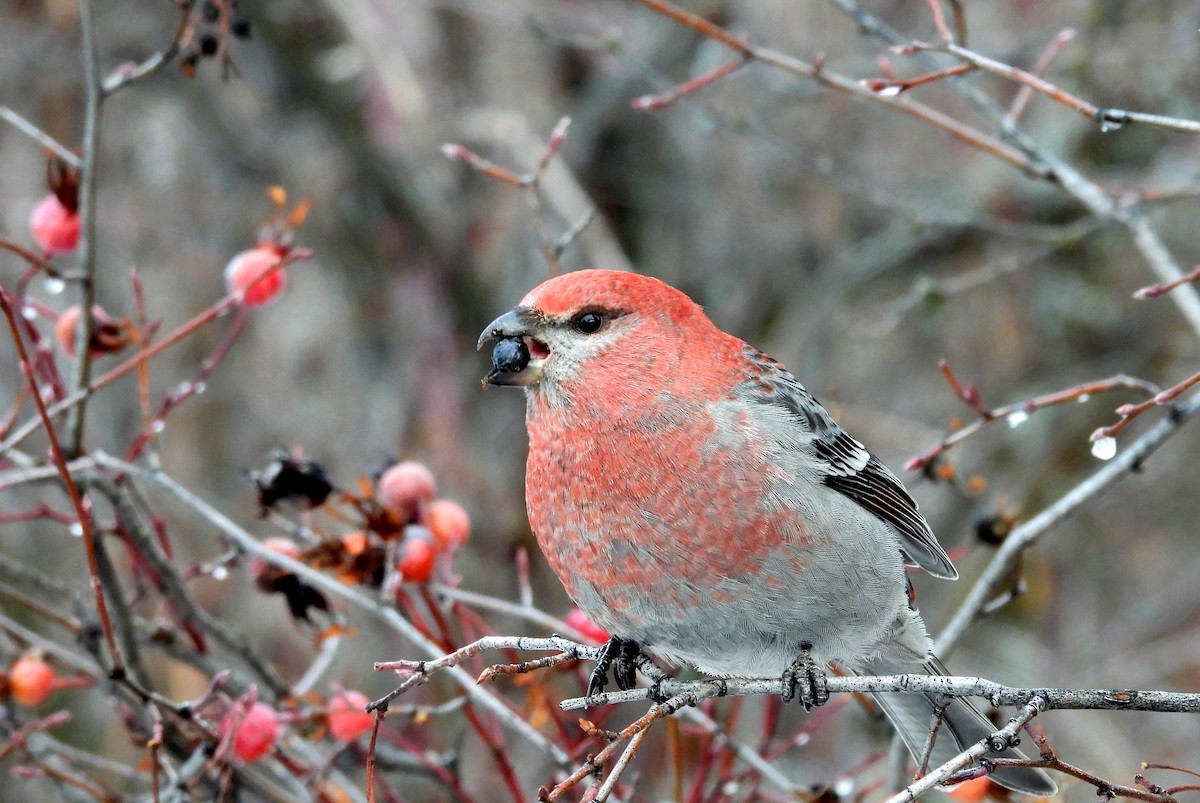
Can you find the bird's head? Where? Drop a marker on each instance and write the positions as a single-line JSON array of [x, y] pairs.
[[591, 322]]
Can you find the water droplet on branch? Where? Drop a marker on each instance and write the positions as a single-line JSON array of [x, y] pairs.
[[1104, 448]]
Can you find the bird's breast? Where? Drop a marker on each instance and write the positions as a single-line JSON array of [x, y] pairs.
[[656, 502]]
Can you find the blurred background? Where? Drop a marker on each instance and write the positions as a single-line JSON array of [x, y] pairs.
[[856, 245]]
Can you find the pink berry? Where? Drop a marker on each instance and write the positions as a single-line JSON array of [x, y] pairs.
[[65, 328], [284, 546], [109, 335], [416, 561], [405, 485], [450, 523], [264, 573], [244, 269], [590, 630], [257, 732], [347, 718], [55, 228]]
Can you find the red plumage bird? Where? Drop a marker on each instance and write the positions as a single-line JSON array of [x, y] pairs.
[[695, 499]]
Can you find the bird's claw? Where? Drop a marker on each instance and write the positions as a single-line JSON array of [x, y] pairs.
[[625, 671], [624, 652], [804, 675]]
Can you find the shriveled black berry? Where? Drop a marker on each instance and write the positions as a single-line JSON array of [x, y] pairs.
[[239, 26], [510, 355], [208, 43], [299, 480], [993, 528]]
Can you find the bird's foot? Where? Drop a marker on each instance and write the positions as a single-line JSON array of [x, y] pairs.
[[624, 654], [806, 677]]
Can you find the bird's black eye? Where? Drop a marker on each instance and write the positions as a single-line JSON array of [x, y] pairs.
[[588, 322]]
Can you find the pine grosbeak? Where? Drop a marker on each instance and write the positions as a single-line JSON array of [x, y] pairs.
[[695, 499]]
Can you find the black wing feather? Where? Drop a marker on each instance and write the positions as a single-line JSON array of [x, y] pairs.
[[851, 469]]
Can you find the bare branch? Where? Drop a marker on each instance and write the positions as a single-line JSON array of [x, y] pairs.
[[994, 576], [358, 599], [1001, 738], [41, 137]]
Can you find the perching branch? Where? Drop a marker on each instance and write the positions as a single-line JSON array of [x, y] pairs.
[[420, 672]]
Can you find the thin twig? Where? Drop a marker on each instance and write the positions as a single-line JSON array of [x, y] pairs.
[[41, 137], [1016, 412], [1024, 92], [1109, 119], [974, 753], [841, 83], [88, 186], [127, 75], [81, 506]]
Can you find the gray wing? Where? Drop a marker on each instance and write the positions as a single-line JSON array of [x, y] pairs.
[[849, 468]]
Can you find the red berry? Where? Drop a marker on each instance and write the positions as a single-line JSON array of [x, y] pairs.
[[450, 523], [55, 228], [419, 532], [64, 328], [265, 574], [246, 267], [284, 546], [355, 542], [971, 791], [590, 630], [30, 681], [405, 485], [416, 560], [109, 335], [257, 732], [347, 718]]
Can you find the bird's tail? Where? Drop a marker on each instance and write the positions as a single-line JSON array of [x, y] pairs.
[[962, 726]]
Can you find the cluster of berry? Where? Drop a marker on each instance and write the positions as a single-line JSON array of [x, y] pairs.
[[253, 731], [399, 515], [400, 508]]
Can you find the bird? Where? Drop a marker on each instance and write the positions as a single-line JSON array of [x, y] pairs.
[[695, 499]]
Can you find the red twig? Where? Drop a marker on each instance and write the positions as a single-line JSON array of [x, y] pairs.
[[1128, 412], [655, 102], [530, 182], [187, 389], [1048, 55], [939, 22], [490, 169], [968, 393], [379, 715], [970, 396], [33, 259], [81, 505], [894, 86], [1155, 290], [700, 25]]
